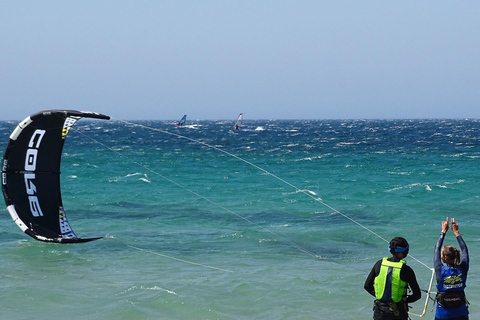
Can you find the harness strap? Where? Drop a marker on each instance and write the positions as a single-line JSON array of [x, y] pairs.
[[451, 299]]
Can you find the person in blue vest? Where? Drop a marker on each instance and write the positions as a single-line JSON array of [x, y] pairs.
[[451, 277], [388, 282]]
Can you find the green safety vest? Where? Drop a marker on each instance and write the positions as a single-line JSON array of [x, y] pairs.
[[398, 288]]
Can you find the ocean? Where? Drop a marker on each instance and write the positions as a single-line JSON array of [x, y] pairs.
[[278, 220]]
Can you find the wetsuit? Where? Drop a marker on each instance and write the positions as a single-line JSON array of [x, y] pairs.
[[452, 280], [381, 310]]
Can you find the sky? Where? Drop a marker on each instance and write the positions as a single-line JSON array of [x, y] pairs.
[[283, 59]]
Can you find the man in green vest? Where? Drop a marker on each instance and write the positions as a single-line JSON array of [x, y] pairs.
[[388, 283]]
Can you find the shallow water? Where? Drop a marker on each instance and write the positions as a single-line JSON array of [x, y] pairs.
[[279, 220]]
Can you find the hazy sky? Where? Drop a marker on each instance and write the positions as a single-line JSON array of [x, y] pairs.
[[268, 59]]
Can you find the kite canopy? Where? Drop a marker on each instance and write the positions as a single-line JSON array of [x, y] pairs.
[[31, 174]]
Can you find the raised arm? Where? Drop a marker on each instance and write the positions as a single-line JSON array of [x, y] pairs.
[[463, 246], [437, 255]]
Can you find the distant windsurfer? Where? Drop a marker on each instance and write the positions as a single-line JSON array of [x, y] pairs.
[[239, 121], [388, 282], [182, 121]]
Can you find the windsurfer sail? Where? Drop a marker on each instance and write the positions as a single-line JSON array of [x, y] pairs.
[[239, 121], [182, 121], [31, 174]]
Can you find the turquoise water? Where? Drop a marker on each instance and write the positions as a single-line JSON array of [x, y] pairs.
[[279, 220]]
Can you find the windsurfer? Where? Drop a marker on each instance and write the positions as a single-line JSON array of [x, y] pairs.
[[181, 122], [388, 282], [239, 121]]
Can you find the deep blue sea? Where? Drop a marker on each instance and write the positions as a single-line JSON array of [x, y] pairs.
[[278, 220]]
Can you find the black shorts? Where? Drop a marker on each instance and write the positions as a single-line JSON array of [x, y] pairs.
[[389, 311]]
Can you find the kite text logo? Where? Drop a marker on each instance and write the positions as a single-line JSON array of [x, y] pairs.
[[30, 167]]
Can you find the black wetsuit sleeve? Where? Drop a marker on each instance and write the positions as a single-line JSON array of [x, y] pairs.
[[464, 255], [407, 275], [437, 257], [369, 282]]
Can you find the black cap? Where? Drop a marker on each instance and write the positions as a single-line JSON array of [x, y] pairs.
[[398, 244]]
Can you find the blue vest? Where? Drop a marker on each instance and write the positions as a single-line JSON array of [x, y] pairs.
[[452, 279]]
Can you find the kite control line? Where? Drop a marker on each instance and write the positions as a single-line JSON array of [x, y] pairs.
[[308, 193]]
